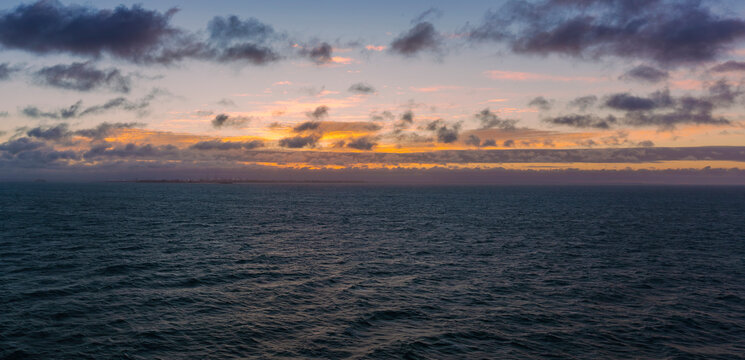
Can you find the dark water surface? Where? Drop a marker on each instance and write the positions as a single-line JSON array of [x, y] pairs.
[[197, 271]]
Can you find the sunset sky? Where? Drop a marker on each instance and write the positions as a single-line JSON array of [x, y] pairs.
[[330, 90]]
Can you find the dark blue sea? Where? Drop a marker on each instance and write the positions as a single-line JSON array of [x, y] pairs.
[[195, 271]]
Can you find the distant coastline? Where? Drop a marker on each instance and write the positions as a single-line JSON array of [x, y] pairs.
[[233, 181]]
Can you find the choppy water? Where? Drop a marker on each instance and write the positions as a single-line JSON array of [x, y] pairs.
[[180, 271]]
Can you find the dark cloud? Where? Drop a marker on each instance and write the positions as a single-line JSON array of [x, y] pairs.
[[407, 117], [446, 133], [319, 112], [227, 145], [231, 28], [584, 102], [431, 13], [133, 34], [405, 121], [661, 109], [297, 142], [321, 127], [583, 121], [15, 146], [646, 73], [490, 120], [105, 129], [62, 132], [489, 142], [306, 126], [6, 70], [723, 94], [729, 66], [646, 143], [252, 53], [689, 110], [422, 37], [129, 33], [54, 133], [666, 31], [83, 77], [473, 140], [509, 143], [541, 103], [224, 120], [130, 150], [361, 88], [628, 102], [65, 113], [361, 143], [320, 54]]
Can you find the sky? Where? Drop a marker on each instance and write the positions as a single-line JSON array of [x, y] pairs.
[[517, 91]]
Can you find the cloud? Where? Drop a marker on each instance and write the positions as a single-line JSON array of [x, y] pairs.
[[64, 113], [132, 34], [76, 110], [54, 133], [320, 112], [128, 33], [62, 132], [224, 120], [361, 143], [252, 53], [583, 121], [226, 102], [6, 70], [645, 73], [130, 150], [729, 66], [628, 102], [361, 88], [665, 31], [15, 146], [584, 102], [322, 127], [320, 54], [446, 133], [231, 28], [422, 37], [473, 140], [83, 77], [541, 103], [432, 12], [526, 76], [297, 142], [490, 120], [383, 116], [105, 129], [645, 143], [306, 126], [407, 117], [227, 145], [660, 109], [234, 40]]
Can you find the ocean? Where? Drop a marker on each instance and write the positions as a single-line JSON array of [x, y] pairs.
[[335, 271]]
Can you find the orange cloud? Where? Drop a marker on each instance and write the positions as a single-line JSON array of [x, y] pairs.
[[525, 76], [435, 88]]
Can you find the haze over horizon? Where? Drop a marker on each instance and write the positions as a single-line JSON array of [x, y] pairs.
[[549, 91]]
